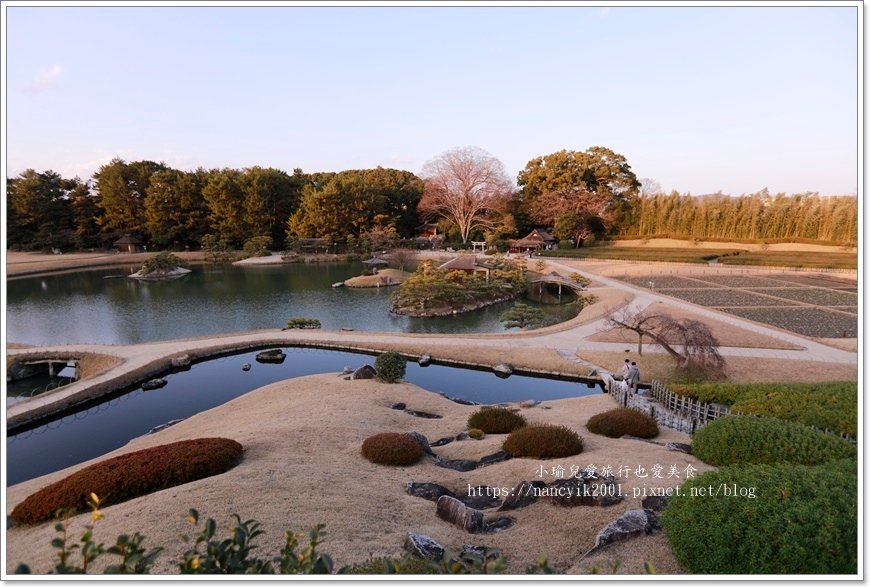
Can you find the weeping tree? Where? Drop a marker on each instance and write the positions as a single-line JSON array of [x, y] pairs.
[[690, 342]]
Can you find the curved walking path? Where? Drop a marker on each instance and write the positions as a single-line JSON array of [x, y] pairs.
[[141, 361]]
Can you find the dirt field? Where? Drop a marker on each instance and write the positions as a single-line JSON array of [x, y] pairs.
[[727, 334]]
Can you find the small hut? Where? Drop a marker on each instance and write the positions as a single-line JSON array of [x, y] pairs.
[[535, 241], [374, 263], [128, 244]]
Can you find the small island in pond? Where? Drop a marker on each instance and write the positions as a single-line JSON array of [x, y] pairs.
[[463, 284], [161, 266]]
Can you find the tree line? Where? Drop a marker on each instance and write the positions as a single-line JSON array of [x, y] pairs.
[[578, 195]]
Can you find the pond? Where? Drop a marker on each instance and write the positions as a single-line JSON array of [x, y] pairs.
[[104, 306], [111, 424]]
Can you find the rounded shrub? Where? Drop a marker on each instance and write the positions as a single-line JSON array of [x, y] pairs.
[[131, 475], [392, 448], [784, 519], [620, 421], [496, 420], [390, 367], [476, 433], [753, 440], [543, 442]]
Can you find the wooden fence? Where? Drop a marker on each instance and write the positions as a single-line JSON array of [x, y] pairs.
[[669, 409]]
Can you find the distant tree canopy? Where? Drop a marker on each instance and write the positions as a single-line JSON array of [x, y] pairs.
[[574, 194], [578, 193], [756, 216], [353, 203]]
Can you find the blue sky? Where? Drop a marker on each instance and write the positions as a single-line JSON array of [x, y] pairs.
[[699, 99]]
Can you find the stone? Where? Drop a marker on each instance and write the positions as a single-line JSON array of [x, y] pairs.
[[529, 403], [271, 356], [364, 372], [164, 426], [443, 441], [418, 414], [347, 370], [423, 546], [522, 495], [455, 512], [154, 384], [424, 360], [503, 370], [430, 491], [591, 490], [474, 550], [182, 361], [631, 523], [458, 400], [498, 524], [481, 497], [463, 436], [496, 457], [679, 447], [655, 503], [422, 441], [246, 367], [462, 465], [398, 406]]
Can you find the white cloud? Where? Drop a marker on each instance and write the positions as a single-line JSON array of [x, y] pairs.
[[46, 78]]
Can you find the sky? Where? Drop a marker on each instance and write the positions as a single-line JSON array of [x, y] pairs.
[[699, 99]]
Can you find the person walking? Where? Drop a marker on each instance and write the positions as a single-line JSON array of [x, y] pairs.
[[623, 371], [633, 377]]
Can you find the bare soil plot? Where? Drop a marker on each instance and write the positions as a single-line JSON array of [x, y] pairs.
[[727, 334], [817, 280], [664, 281], [812, 295], [804, 320], [739, 281], [722, 297]]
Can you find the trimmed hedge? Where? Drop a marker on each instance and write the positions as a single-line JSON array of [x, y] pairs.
[[392, 448], [390, 367], [476, 433], [131, 475], [757, 440], [620, 421], [802, 520], [496, 420], [831, 405], [543, 442]]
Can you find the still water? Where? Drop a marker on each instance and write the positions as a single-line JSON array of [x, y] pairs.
[[104, 306], [105, 427]]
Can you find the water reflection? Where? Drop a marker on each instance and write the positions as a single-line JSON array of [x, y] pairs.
[[85, 307]]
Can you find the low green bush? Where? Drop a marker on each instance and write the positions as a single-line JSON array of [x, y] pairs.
[[801, 520], [390, 367], [257, 246], [302, 323], [496, 420], [829, 405], [620, 421], [543, 442], [392, 448], [758, 440], [476, 433], [131, 475], [161, 262]]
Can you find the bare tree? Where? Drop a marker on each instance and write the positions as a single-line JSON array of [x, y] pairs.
[[401, 257], [464, 185], [688, 341]]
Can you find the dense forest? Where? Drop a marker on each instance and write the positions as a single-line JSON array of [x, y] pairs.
[[579, 196]]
